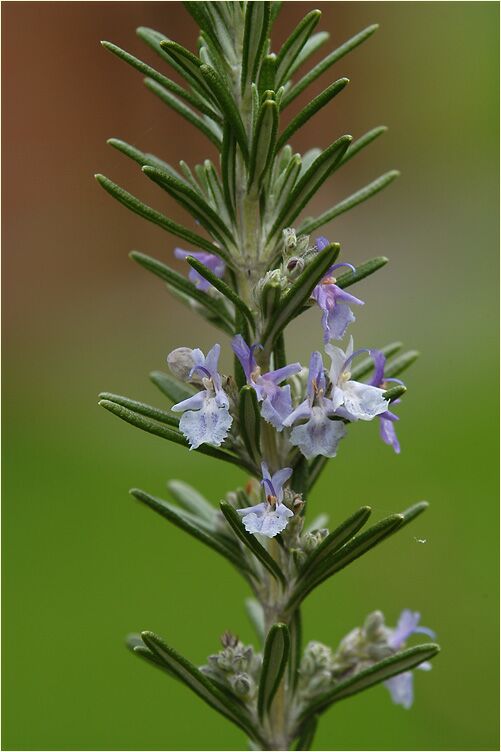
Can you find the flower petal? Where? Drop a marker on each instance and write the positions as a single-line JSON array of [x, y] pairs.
[[362, 401], [319, 436], [401, 689], [208, 425]]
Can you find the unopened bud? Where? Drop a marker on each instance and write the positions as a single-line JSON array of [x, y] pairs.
[[180, 362]]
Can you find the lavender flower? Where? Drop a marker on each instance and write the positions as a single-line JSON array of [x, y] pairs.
[[206, 418], [271, 516], [352, 400], [401, 686], [215, 264], [276, 400], [333, 301], [320, 434], [386, 419]]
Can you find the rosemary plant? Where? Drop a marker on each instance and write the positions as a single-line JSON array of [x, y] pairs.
[[250, 276]]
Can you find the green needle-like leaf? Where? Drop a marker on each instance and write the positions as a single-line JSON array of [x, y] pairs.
[[321, 169], [201, 685], [173, 389], [326, 63], [223, 288], [256, 616], [311, 109], [381, 671], [249, 540], [275, 657], [356, 198], [414, 511], [189, 498], [395, 392], [132, 203], [228, 107], [257, 21], [296, 651], [211, 132], [263, 144], [143, 159], [294, 45], [193, 203], [299, 293], [165, 82], [344, 556], [190, 526], [312, 45], [362, 271], [363, 141], [397, 365], [140, 407], [335, 540], [185, 286], [250, 422], [267, 74], [165, 432], [189, 65]]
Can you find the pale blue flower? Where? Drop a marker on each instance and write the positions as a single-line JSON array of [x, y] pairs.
[[276, 401], [215, 264], [352, 400], [319, 434], [333, 301], [401, 687], [271, 516], [387, 419], [206, 418]]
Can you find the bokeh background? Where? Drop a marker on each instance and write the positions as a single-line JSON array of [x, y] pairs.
[[83, 563]]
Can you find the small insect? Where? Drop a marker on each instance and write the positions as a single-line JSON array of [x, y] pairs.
[[421, 540]]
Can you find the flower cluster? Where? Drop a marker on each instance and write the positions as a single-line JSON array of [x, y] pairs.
[[315, 420], [236, 667], [322, 669]]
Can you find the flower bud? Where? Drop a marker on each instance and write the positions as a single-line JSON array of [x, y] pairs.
[[243, 685], [180, 362]]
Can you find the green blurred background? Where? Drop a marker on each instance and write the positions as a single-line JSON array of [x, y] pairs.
[[83, 563]]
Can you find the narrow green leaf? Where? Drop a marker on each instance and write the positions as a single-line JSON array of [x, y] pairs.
[[211, 132], [311, 109], [335, 540], [165, 82], [188, 525], [350, 202], [190, 66], [275, 657], [379, 672], [137, 646], [223, 288], [344, 556], [173, 389], [193, 203], [286, 182], [300, 477], [140, 407], [216, 194], [142, 158], [299, 292], [249, 540], [263, 143], [267, 74], [228, 107], [395, 392], [294, 45], [201, 685], [250, 422], [257, 21], [365, 366], [185, 286], [414, 511], [132, 203], [193, 501], [276, 6], [256, 616], [228, 158], [312, 45], [363, 141], [362, 271], [397, 365], [321, 169], [165, 432], [326, 63]]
